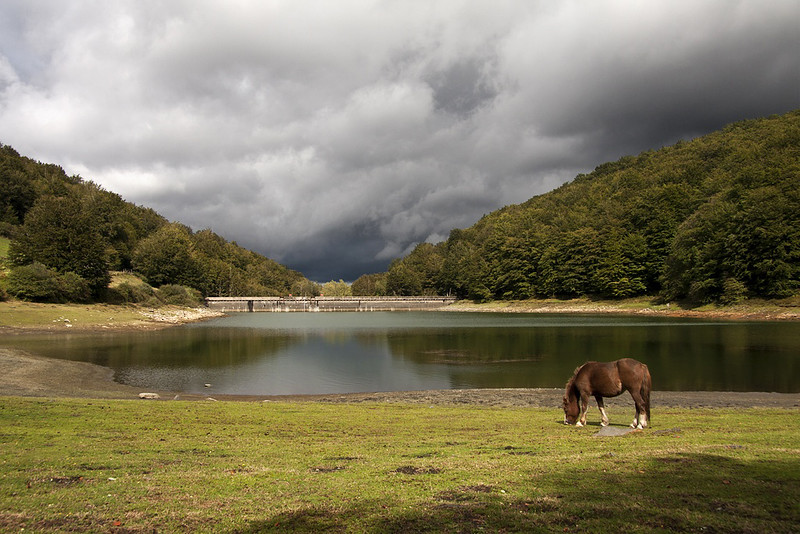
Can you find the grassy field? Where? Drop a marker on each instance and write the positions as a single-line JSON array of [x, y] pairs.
[[144, 466], [20, 314]]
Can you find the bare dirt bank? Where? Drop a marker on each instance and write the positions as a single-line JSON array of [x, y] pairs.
[[28, 375]]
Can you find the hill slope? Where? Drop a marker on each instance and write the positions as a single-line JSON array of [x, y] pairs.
[[63, 226], [715, 218]]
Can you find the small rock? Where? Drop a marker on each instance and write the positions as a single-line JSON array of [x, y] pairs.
[[149, 396], [207, 385], [613, 431]]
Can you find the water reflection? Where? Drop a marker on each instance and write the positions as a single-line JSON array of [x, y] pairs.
[[266, 353]]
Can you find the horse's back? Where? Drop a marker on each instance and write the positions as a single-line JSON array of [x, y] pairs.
[[610, 379], [601, 378]]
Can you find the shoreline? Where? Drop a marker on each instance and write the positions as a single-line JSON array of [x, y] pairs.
[[25, 318], [748, 312], [23, 374]]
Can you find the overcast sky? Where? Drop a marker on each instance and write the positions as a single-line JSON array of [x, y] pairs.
[[333, 136]]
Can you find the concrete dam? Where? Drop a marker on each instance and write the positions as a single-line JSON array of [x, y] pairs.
[[326, 304]]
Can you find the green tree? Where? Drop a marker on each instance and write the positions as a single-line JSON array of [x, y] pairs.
[[370, 285], [403, 280], [416, 274], [166, 257], [60, 234], [304, 288], [569, 265], [17, 194], [620, 272], [465, 269], [336, 289]]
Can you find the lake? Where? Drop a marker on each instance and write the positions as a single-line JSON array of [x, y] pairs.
[[297, 353]]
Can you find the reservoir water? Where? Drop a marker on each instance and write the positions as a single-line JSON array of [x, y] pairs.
[[294, 353]]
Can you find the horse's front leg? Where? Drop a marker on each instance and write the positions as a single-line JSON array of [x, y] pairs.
[[584, 408], [602, 407]]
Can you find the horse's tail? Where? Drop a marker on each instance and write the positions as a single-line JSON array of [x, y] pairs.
[[645, 390]]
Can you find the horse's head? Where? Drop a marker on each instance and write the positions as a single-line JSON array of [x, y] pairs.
[[571, 409]]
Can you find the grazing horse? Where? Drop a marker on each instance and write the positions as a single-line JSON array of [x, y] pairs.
[[607, 379]]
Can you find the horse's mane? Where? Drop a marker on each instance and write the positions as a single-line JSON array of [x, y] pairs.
[[571, 381]]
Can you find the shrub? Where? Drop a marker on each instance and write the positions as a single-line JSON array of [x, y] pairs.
[[127, 293], [733, 291], [37, 283], [179, 295], [135, 293], [74, 288]]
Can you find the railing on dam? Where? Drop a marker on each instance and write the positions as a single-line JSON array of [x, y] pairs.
[[314, 304]]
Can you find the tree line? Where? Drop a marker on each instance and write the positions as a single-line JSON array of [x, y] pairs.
[[712, 219], [68, 234]]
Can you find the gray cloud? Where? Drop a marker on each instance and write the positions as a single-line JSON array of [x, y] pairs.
[[333, 136]]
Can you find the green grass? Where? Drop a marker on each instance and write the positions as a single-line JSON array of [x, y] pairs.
[[125, 277], [4, 242], [140, 466], [20, 314]]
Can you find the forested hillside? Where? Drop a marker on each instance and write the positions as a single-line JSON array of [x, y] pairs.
[[712, 219], [68, 234]]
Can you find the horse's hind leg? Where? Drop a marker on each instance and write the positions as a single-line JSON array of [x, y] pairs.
[[602, 407], [640, 420]]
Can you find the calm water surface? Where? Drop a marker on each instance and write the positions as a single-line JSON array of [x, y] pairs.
[[291, 353]]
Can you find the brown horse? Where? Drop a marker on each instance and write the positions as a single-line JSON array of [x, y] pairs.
[[607, 379]]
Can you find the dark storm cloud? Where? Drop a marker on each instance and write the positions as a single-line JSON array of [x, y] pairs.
[[463, 87], [334, 136]]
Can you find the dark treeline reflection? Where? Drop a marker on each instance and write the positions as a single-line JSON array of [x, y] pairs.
[[681, 357], [175, 347], [328, 353]]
